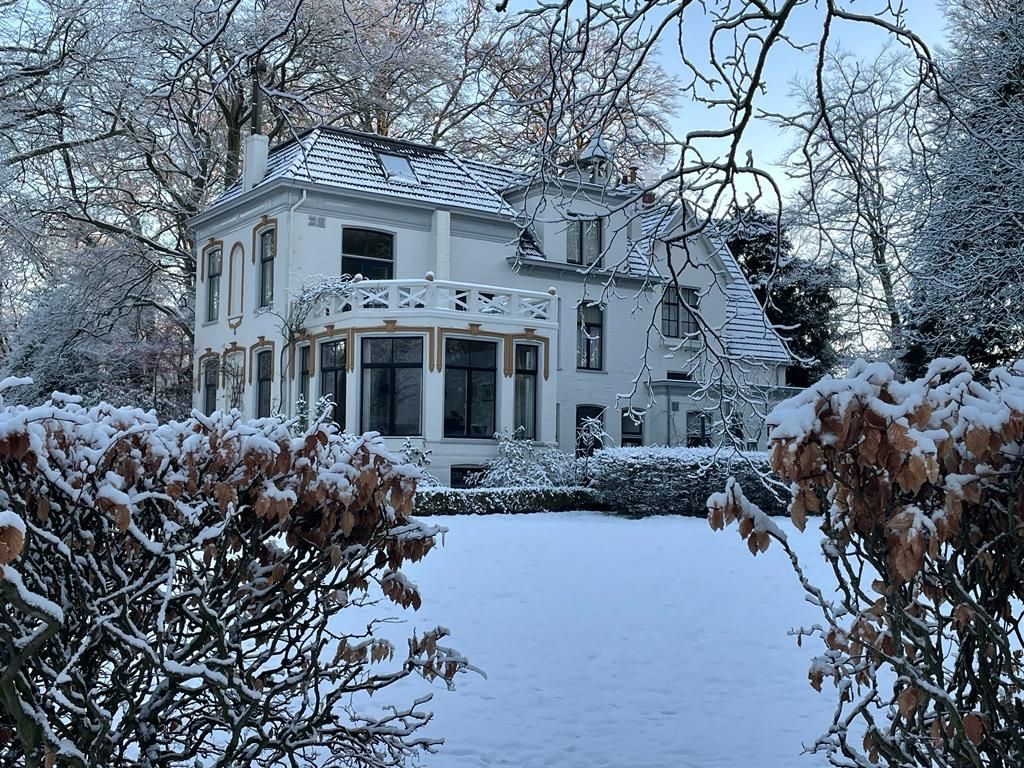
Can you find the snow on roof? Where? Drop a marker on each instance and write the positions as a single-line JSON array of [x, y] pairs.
[[496, 177], [348, 159], [747, 331], [596, 150]]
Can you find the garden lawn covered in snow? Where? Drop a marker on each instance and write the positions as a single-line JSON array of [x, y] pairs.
[[619, 643]]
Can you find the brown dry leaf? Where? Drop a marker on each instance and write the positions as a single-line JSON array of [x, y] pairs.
[[977, 440], [348, 521], [122, 517], [42, 509], [12, 541], [798, 511], [908, 701], [746, 527], [974, 727]]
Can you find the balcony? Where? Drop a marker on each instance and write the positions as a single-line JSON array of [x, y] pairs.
[[425, 297]]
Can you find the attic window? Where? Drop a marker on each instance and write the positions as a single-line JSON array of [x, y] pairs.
[[397, 168]]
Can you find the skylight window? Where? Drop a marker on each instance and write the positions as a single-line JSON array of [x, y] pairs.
[[397, 168]]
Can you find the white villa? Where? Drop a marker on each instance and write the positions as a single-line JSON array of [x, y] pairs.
[[486, 303]]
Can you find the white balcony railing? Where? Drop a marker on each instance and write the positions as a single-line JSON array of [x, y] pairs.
[[490, 302]]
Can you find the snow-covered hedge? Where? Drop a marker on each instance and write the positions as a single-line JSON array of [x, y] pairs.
[[502, 501], [169, 593], [657, 480]]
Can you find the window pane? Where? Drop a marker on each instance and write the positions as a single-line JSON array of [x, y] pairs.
[[454, 402], [368, 268], [591, 313], [379, 245], [407, 401], [266, 283], [215, 262], [573, 243], [591, 241], [353, 242], [484, 354], [376, 399], [376, 351], [457, 352], [408, 350], [265, 367], [268, 244], [481, 404], [213, 298], [526, 357], [526, 405]]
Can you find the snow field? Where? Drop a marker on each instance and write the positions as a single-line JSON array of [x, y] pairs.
[[614, 643]]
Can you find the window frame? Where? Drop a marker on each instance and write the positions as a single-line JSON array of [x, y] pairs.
[[213, 280], [468, 370], [267, 258], [519, 374], [365, 257], [585, 338], [703, 438], [339, 373], [577, 236], [364, 366], [305, 379], [211, 374], [264, 384], [677, 301]]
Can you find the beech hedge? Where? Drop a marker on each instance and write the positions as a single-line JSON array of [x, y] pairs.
[[502, 501], [676, 481]]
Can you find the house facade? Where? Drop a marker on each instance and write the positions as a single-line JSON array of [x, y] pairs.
[[485, 303]]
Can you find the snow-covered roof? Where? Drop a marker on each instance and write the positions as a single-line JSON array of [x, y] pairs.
[[596, 150], [353, 160], [747, 331], [497, 177]]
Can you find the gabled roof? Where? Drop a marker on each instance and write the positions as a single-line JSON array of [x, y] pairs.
[[348, 159], [496, 177], [747, 331]]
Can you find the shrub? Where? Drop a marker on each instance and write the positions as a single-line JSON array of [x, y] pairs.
[[502, 501], [522, 463], [675, 481], [925, 535], [171, 594]]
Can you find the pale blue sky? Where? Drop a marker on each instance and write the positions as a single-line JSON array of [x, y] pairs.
[[768, 142]]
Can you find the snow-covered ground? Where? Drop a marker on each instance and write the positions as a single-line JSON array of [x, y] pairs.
[[621, 644]]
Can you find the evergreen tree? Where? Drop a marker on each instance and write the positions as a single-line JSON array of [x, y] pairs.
[[798, 295]]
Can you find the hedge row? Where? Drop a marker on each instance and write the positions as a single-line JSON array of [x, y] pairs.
[[502, 501], [676, 481]]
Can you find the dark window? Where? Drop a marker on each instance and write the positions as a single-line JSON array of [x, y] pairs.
[[304, 361], [632, 429], [333, 362], [214, 267], [470, 378], [589, 429], [268, 250], [464, 477], [590, 322], [264, 377], [392, 385], [209, 386], [527, 356], [698, 429], [677, 321], [679, 376], [586, 241], [367, 253]]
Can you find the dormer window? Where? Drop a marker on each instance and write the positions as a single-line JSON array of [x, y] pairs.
[[397, 168], [585, 242]]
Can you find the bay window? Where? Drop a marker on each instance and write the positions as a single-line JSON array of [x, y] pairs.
[[470, 380], [392, 385]]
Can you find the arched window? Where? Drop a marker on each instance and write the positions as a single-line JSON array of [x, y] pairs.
[[367, 253]]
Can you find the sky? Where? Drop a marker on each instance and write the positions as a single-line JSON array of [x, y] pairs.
[[768, 142]]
